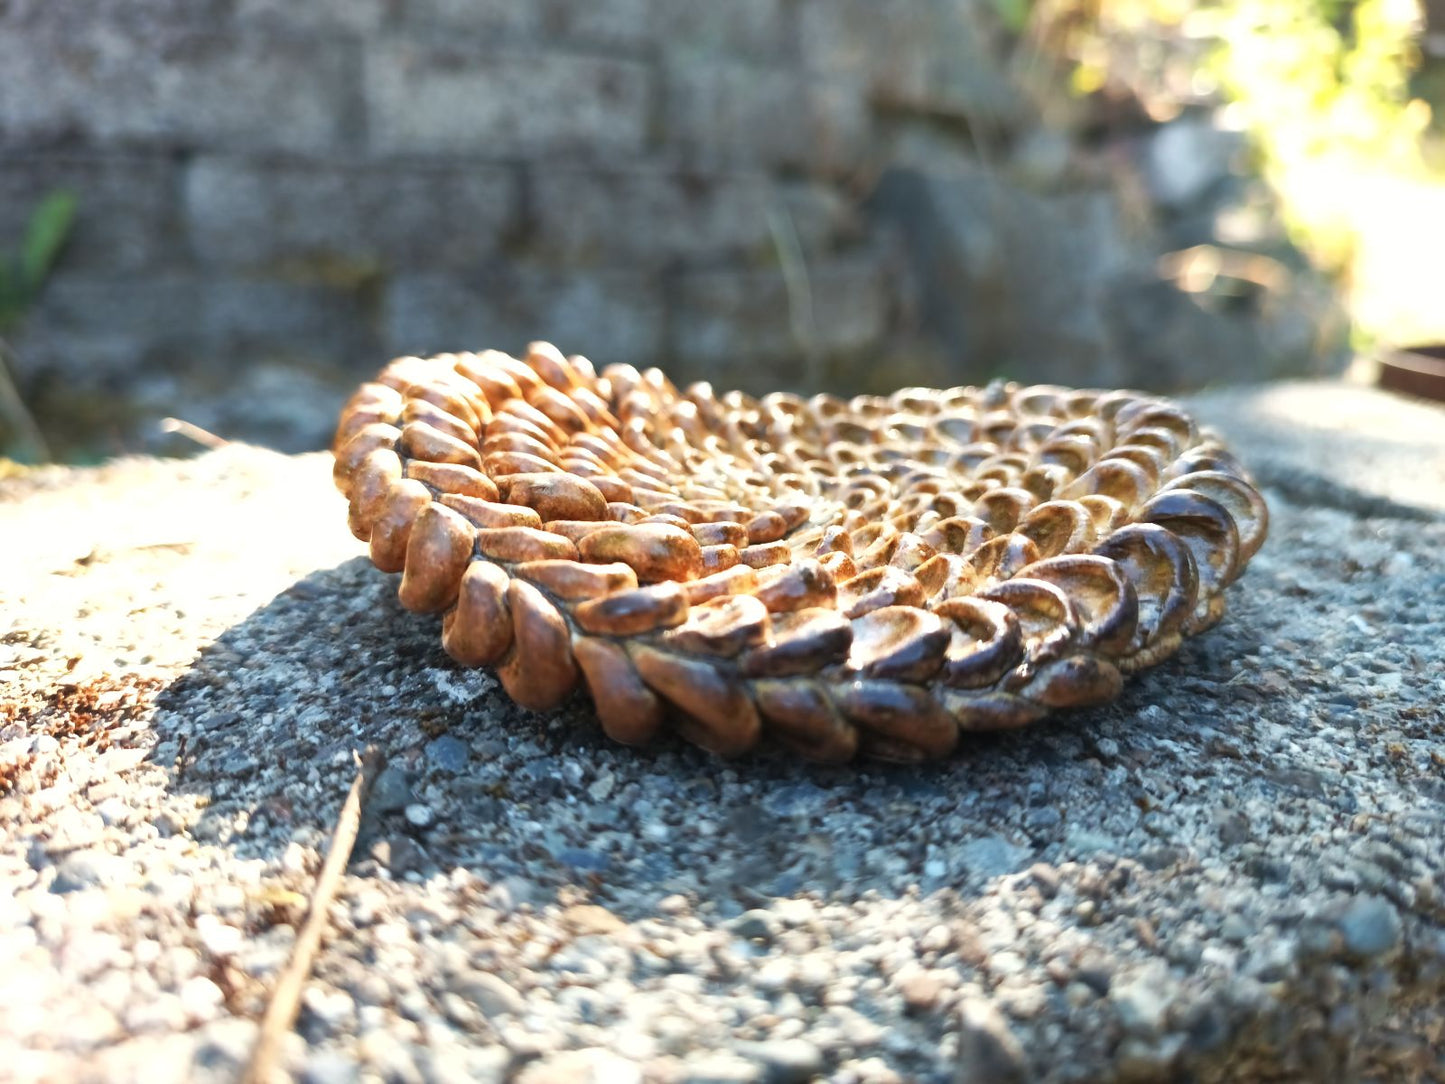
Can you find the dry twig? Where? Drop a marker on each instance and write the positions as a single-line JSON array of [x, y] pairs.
[[203, 437], [286, 997]]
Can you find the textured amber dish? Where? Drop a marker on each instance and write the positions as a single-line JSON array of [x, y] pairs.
[[867, 576]]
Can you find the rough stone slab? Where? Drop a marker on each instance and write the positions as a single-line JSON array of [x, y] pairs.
[[979, 242], [131, 77], [264, 357], [619, 24], [936, 57], [1097, 309], [610, 315], [349, 16], [148, 14], [821, 218], [625, 25], [1233, 873], [725, 111], [182, 316], [649, 214], [756, 29], [126, 208], [746, 317], [358, 216], [658, 215], [1349, 447], [427, 98], [495, 18]]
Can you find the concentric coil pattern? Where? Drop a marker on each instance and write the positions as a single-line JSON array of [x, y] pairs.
[[866, 576]]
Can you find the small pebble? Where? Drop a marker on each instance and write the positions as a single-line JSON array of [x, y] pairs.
[[391, 791], [489, 993], [1370, 927], [448, 753], [988, 1051], [1141, 1002], [201, 998], [755, 925], [218, 938], [88, 869], [785, 1061], [921, 991]]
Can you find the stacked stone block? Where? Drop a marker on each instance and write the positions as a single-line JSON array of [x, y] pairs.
[[290, 190]]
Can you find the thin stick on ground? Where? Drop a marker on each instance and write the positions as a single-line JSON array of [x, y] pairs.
[[286, 997], [201, 436]]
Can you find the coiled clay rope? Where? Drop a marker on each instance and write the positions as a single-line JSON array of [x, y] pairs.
[[864, 576]]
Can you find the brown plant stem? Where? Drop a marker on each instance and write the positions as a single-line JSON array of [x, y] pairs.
[[286, 997], [13, 410]]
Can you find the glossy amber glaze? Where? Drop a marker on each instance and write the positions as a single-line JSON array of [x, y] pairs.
[[872, 576]]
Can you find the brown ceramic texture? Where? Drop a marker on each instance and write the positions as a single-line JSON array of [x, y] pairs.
[[870, 576]]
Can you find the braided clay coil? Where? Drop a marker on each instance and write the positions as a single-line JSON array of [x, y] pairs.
[[843, 576]]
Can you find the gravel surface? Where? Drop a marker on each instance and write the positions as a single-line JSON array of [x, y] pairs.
[[1236, 872]]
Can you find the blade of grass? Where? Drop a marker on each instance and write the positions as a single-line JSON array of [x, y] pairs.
[[46, 235]]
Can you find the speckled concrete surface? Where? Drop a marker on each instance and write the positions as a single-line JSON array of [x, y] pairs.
[[1234, 873]]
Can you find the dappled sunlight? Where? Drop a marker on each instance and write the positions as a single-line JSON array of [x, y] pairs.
[[1342, 110], [1396, 224]]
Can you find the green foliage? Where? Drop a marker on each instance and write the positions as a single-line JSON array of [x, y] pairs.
[[1311, 77], [23, 271], [1014, 14], [1302, 75], [1334, 98]]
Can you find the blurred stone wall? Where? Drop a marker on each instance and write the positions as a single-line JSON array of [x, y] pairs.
[[278, 195]]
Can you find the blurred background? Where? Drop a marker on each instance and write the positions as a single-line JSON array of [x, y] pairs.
[[231, 211]]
